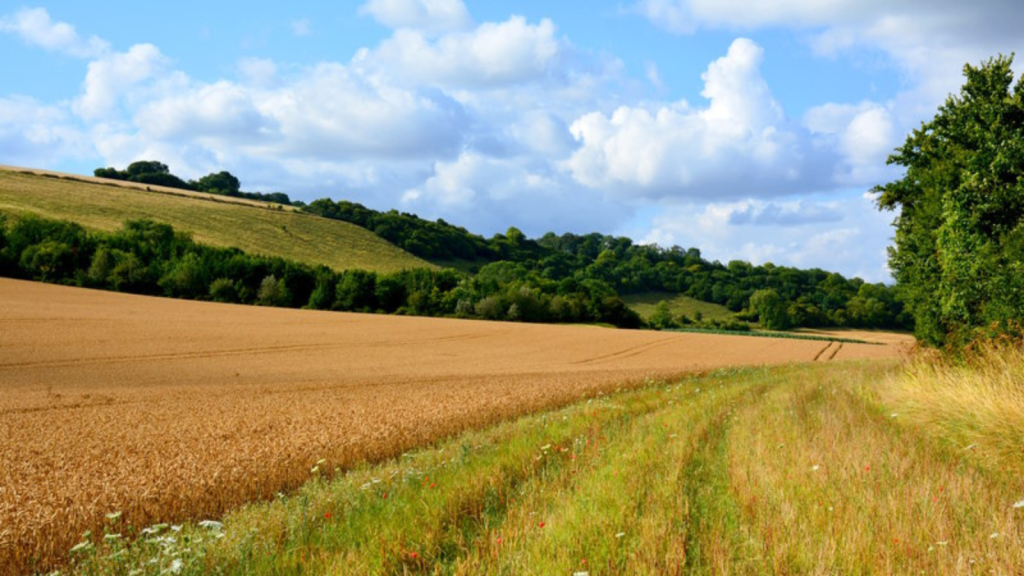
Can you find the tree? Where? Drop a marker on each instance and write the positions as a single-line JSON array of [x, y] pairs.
[[222, 182], [146, 167], [959, 249], [772, 311], [662, 317]]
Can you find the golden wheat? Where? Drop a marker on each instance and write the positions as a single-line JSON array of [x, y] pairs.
[[166, 409]]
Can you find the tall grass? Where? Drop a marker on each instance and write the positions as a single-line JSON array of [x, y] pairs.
[[972, 402]]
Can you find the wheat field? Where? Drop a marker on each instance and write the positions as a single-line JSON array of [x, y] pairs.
[[167, 409]]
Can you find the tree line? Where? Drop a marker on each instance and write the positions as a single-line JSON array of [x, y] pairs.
[[159, 174], [146, 257], [778, 297]]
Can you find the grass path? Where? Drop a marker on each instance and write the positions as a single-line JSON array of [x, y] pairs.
[[793, 470]]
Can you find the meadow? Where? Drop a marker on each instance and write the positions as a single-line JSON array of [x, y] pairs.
[[255, 227], [170, 410]]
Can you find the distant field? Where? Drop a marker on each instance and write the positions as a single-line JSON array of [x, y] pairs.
[[256, 227], [644, 305], [172, 409]]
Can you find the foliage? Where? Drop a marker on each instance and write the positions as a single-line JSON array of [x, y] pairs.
[[959, 250], [148, 257]]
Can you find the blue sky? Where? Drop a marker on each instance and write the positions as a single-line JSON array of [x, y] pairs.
[[749, 129]]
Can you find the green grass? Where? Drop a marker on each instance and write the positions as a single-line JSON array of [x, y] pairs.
[[257, 228], [768, 334], [793, 470], [645, 303]]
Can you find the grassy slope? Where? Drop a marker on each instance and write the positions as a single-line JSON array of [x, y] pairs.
[[251, 226], [645, 303], [801, 469]]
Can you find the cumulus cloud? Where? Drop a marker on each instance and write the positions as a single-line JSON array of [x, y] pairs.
[[31, 133], [35, 26], [327, 111], [847, 233], [740, 144], [115, 74], [863, 133], [491, 55], [427, 16], [929, 41]]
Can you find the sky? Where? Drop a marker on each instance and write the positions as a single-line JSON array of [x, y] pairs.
[[752, 130]]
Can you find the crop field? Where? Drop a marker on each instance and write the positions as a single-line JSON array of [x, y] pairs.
[[167, 409], [256, 227]]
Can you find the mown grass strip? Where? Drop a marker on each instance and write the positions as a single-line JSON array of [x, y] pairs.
[[783, 335]]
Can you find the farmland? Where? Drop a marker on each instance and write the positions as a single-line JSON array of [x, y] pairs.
[[167, 409], [256, 227]]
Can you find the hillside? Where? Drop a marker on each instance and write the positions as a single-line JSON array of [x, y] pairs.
[[256, 227], [645, 303]]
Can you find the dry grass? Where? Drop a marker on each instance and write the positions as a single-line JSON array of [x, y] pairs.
[[164, 408], [256, 227], [974, 403]]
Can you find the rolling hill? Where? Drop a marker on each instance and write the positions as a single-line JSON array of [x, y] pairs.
[[256, 227]]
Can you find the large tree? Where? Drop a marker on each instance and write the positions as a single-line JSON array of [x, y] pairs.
[[959, 252]]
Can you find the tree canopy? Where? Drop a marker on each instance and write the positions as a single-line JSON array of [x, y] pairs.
[[959, 246]]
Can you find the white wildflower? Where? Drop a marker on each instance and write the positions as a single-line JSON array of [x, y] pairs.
[[113, 516], [1018, 504], [211, 525], [176, 566], [620, 534], [994, 535], [815, 467]]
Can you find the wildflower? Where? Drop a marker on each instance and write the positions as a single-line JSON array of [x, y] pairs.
[[113, 516], [993, 535], [1018, 504], [384, 496], [413, 555], [176, 566], [541, 525], [815, 467], [211, 525], [327, 515], [620, 534], [894, 414]]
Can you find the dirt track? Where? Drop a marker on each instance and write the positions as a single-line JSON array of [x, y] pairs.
[[169, 409]]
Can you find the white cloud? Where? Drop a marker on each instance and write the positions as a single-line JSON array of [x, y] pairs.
[[113, 75], [35, 27], [31, 133], [740, 144], [259, 72], [847, 234], [863, 133], [493, 54], [427, 16], [929, 41], [302, 27]]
